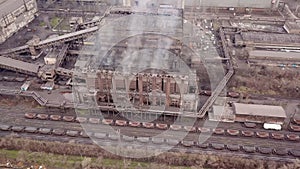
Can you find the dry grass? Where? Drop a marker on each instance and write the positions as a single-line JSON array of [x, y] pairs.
[[162, 161]]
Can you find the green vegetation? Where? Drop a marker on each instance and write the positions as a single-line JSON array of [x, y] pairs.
[[82, 112], [68, 161], [70, 155], [55, 21], [42, 24]]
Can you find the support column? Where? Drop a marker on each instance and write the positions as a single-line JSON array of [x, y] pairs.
[[168, 92], [182, 4], [141, 89], [114, 89], [100, 83], [126, 3], [127, 83], [32, 50], [154, 90], [108, 87]]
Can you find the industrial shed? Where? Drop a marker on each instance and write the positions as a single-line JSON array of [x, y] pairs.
[[263, 4], [233, 3], [259, 113], [274, 55]]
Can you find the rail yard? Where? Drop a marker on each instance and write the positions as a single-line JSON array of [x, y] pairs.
[[183, 76]]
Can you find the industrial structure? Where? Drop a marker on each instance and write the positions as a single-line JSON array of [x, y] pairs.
[[171, 60], [181, 4], [14, 15], [259, 113], [101, 78]]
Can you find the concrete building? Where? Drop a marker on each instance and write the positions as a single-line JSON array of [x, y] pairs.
[[51, 57], [180, 4], [166, 73], [14, 15], [274, 56], [233, 3], [259, 113]]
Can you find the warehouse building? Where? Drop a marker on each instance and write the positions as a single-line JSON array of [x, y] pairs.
[[14, 15], [233, 3], [274, 56], [261, 4], [259, 113]]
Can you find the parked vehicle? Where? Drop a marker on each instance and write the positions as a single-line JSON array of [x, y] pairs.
[[269, 126]]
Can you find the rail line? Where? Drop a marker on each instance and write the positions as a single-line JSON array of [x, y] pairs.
[[111, 138], [289, 136], [219, 142]]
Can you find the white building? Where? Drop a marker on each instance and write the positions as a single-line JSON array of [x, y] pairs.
[[14, 15]]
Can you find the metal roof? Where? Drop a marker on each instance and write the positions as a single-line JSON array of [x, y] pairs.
[[230, 3], [259, 110], [20, 65], [274, 54], [8, 6]]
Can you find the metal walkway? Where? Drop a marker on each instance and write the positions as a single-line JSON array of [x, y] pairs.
[[209, 102], [95, 22], [19, 66], [85, 29], [62, 55], [53, 41]]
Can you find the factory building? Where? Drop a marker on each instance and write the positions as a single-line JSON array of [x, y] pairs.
[[14, 15], [253, 113], [166, 73], [180, 4], [205, 3], [263, 55], [233, 3]]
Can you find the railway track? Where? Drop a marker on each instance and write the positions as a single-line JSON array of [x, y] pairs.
[[65, 136], [234, 132], [141, 133]]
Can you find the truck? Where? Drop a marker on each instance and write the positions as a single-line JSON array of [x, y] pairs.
[[270, 126]]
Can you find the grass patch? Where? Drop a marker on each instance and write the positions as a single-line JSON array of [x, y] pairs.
[[54, 22], [68, 161], [42, 24], [12, 154]]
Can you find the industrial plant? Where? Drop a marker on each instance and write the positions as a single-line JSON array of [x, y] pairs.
[[141, 78]]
